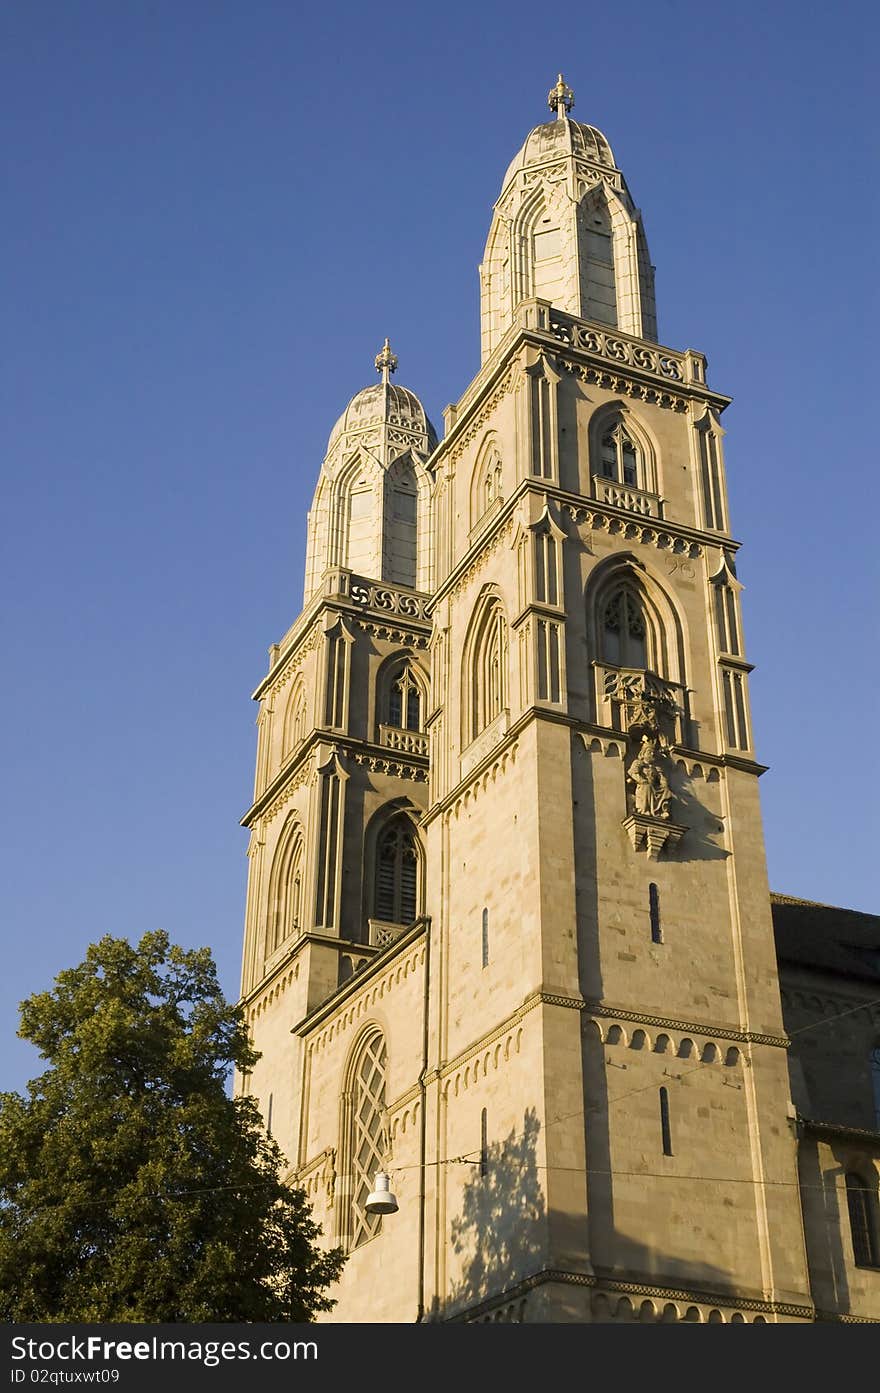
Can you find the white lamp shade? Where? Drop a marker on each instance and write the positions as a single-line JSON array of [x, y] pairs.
[[382, 1200]]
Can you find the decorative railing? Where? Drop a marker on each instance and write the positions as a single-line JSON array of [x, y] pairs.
[[617, 348], [628, 698], [410, 742], [382, 933], [371, 594], [626, 496]]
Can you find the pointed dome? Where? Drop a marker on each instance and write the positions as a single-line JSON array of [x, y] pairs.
[[561, 136], [384, 404]]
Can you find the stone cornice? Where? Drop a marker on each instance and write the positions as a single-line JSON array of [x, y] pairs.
[[356, 596], [298, 771], [723, 1032], [343, 945], [677, 537], [535, 998], [319, 1014], [696, 1295]]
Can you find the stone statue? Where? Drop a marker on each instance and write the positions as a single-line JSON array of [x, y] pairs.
[[652, 792]]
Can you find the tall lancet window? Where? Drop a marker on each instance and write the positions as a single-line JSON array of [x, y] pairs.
[[600, 294], [624, 636], [397, 873], [401, 513], [285, 891], [367, 1141], [489, 677]]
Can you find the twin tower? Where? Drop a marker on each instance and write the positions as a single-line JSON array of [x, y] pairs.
[[508, 925]]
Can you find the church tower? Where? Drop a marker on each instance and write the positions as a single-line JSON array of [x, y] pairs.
[[508, 933]]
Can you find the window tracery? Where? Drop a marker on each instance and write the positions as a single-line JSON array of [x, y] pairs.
[[405, 701], [624, 633], [367, 1142]]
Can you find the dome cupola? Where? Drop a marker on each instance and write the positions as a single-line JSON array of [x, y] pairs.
[[370, 509]]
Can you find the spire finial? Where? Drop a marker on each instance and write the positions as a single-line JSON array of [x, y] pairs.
[[386, 361], [560, 98]]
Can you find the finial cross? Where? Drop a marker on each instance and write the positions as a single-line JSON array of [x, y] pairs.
[[560, 98], [386, 361]]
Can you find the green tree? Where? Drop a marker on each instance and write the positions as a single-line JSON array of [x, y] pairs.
[[132, 1187]]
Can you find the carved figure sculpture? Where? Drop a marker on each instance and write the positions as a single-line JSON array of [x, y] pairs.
[[652, 792]]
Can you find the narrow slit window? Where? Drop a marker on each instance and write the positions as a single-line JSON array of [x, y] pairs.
[[485, 938], [665, 1130], [654, 908], [484, 1143]]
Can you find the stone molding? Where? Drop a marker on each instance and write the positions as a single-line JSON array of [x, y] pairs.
[[507, 1027], [355, 995], [707, 1028], [693, 1295]]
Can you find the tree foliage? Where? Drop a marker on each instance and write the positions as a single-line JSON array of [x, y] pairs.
[[132, 1187]]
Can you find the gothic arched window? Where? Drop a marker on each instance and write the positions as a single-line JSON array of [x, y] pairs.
[[405, 701], [619, 457], [294, 720], [492, 482], [489, 668], [623, 629], [285, 890], [487, 480], [861, 1200], [397, 873], [367, 1142]]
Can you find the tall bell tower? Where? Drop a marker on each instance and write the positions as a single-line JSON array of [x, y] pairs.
[[544, 998]]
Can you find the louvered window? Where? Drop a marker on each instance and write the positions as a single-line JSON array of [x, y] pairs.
[[397, 874]]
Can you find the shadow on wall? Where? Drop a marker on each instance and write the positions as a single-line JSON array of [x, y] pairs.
[[500, 1232]]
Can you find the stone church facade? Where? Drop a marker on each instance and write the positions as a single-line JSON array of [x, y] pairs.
[[509, 934]]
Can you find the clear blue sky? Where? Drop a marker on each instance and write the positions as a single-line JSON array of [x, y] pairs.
[[214, 211]]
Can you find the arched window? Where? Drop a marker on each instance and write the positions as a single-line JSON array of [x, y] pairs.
[[295, 719], [492, 482], [489, 668], [623, 630], [285, 890], [597, 268], [862, 1200], [619, 457], [404, 701], [397, 873], [487, 485], [367, 1142], [401, 525]]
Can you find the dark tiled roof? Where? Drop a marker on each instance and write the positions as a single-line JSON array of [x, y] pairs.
[[845, 941]]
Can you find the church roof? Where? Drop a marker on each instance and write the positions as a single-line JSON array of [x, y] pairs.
[[826, 937], [561, 136]]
